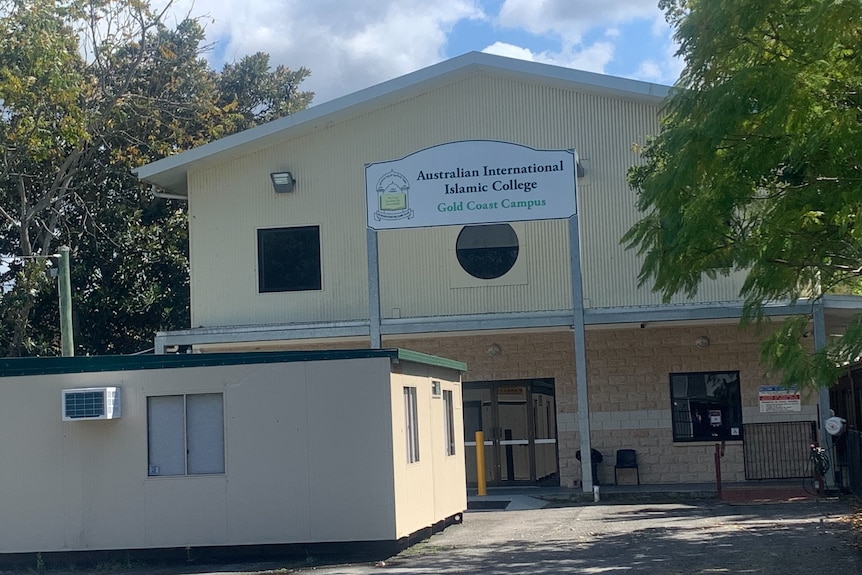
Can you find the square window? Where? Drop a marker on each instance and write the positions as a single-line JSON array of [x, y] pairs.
[[185, 434], [288, 259], [706, 406]]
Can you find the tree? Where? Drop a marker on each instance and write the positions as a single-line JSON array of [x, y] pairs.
[[757, 164], [91, 89]]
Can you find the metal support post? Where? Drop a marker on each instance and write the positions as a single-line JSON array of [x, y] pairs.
[[824, 409], [579, 332], [481, 486], [64, 284], [373, 290]]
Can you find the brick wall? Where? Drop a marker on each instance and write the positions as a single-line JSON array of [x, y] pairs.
[[629, 390]]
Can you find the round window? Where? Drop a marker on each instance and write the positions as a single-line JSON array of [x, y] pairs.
[[487, 252]]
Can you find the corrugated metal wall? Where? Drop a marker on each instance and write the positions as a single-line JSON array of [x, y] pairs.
[[419, 273]]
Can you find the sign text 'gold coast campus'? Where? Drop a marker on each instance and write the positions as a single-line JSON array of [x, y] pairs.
[[471, 182]]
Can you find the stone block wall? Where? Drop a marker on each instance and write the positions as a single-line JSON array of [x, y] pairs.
[[629, 389]]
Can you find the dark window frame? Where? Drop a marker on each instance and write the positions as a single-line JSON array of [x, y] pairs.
[[690, 411], [411, 423], [449, 421], [272, 280]]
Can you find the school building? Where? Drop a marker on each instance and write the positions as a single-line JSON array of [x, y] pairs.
[[473, 210]]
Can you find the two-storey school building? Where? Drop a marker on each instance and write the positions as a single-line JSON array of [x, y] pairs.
[[473, 210]]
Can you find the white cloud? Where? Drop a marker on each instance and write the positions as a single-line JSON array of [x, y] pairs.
[[569, 19], [512, 51], [592, 58], [665, 67], [351, 44], [649, 70], [660, 27], [347, 44]]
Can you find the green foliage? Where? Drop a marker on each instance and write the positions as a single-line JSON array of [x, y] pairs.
[[90, 89], [757, 164], [255, 94]]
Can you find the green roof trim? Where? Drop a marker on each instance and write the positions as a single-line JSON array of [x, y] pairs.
[[417, 357], [21, 366]]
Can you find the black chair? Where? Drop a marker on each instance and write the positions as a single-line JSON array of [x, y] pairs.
[[626, 459], [595, 458]]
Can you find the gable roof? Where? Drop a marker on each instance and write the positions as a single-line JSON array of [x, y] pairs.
[[170, 173]]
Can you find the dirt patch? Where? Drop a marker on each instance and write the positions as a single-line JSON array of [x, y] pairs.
[[752, 495]]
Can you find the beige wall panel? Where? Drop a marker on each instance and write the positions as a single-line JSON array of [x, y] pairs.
[[412, 479], [449, 496], [270, 437], [436, 474], [423, 277], [350, 468], [419, 273], [188, 509], [239, 200], [52, 491], [610, 131]]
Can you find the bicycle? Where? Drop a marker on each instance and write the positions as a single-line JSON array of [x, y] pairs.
[[820, 465]]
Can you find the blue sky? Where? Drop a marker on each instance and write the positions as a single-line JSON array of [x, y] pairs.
[[352, 44]]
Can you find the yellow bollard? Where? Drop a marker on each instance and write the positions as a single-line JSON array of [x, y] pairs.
[[482, 488]]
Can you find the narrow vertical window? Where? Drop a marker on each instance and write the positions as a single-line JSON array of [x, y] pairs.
[[205, 433], [411, 424], [449, 421], [166, 436]]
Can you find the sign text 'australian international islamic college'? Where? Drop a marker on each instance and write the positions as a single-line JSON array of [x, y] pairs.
[[471, 182]]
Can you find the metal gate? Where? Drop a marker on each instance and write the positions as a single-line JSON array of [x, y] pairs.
[[778, 450], [854, 462]]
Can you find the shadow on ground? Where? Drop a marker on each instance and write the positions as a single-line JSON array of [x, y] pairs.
[[665, 539]]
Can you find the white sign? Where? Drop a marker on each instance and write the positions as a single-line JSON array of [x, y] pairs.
[[471, 182], [777, 399]]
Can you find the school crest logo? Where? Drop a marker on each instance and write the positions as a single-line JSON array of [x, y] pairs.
[[393, 197]]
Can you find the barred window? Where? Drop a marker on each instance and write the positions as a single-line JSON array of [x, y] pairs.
[[706, 406]]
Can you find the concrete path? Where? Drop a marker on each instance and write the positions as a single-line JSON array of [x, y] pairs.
[[654, 539]]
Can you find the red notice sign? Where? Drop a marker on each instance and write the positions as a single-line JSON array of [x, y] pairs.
[[777, 399]]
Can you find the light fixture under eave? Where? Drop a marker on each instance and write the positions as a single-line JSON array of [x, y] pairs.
[[702, 342], [282, 182]]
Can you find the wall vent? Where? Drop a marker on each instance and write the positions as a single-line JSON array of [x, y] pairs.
[[89, 403]]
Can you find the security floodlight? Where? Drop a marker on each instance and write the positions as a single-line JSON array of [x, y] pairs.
[[282, 182]]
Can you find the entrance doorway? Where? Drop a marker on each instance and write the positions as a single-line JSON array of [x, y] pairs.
[[518, 419]]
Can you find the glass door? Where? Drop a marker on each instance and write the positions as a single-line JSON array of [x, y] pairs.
[[545, 432], [479, 416], [512, 440], [518, 420]]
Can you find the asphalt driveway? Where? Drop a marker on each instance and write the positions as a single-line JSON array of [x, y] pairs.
[[701, 537], [658, 539]]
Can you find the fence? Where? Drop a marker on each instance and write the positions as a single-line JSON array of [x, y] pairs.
[[778, 450], [853, 460]]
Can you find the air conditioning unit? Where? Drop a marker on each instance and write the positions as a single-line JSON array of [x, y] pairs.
[[89, 403]]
